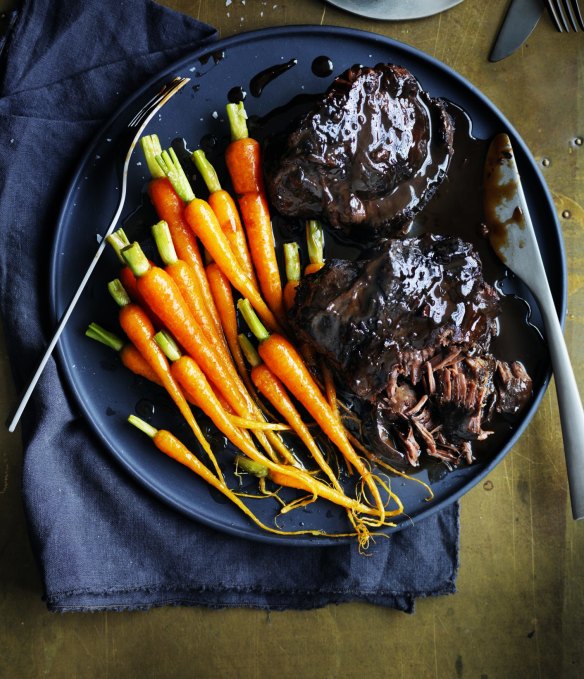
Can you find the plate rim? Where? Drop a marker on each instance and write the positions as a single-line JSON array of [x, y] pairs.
[[254, 533]]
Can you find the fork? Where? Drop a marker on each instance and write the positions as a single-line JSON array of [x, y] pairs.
[[132, 134], [564, 11]]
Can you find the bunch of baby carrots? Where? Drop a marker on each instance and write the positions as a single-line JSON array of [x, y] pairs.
[[188, 320]]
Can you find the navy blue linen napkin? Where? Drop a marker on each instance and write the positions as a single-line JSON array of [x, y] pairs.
[[102, 542]]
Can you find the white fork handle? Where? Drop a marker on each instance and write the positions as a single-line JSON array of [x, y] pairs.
[[49, 350]]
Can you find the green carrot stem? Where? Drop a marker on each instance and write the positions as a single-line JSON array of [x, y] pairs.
[[118, 292], [118, 240], [206, 170], [251, 318], [249, 351], [148, 429], [96, 332], [315, 241], [237, 121], [170, 165], [164, 243], [292, 261], [151, 148], [251, 467], [168, 345], [136, 259]]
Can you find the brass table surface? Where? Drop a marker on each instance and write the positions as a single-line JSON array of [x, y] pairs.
[[519, 610]]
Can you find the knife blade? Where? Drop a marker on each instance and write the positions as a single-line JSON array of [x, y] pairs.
[[521, 18], [513, 238]]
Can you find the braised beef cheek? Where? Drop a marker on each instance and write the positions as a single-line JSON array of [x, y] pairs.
[[367, 157], [400, 308]]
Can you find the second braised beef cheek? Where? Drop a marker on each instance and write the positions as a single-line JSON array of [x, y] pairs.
[[415, 297], [367, 157], [408, 331]]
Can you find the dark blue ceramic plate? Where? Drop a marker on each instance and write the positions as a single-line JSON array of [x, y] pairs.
[[106, 393]]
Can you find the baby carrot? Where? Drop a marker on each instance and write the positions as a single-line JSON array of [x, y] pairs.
[[243, 159], [171, 446], [292, 264], [226, 212], [315, 246], [273, 389], [243, 154], [169, 207], [287, 364], [202, 220], [140, 331], [258, 226]]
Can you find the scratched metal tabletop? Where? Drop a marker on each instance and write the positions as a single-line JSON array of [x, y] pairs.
[[519, 611]]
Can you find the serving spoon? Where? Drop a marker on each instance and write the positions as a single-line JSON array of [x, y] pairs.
[[513, 238]]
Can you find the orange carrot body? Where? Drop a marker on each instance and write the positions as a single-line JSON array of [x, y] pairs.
[[205, 225], [313, 267], [282, 480], [223, 296], [171, 446], [286, 363], [258, 225], [243, 158], [226, 212], [284, 476], [182, 274], [290, 294], [273, 389], [130, 284], [133, 360], [128, 280], [244, 162], [170, 208]]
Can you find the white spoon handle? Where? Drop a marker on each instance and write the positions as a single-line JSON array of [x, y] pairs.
[[569, 403]]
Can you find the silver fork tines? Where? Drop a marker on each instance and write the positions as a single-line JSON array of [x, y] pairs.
[[578, 13], [570, 14], [565, 14], [135, 128]]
